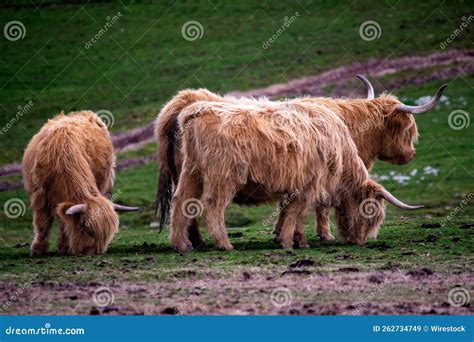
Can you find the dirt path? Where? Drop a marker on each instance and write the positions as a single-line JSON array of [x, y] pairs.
[[313, 85], [248, 292]]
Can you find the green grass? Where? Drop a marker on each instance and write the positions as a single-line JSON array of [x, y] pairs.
[[142, 60]]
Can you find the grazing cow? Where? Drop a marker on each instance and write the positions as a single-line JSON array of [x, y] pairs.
[[290, 147], [382, 128], [68, 166]]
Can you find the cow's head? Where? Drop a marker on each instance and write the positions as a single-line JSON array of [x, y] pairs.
[[399, 131], [89, 227], [362, 211]]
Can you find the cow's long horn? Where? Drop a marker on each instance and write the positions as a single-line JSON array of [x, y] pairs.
[[76, 209], [423, 108], [370, 89], [396, 202], [118, 207]]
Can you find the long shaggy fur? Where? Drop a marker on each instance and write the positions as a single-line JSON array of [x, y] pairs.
[[285, 148], [378, 130], [71, 161]]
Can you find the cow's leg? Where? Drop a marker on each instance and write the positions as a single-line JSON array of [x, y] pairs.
[[300, 239], [295, 212], [195, 235], [42, 221], [216, 197], [279, 223], [63, 242], [184, 207], [322, 223]]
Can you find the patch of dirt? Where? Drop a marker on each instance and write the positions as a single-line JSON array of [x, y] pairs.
[[353, 293]]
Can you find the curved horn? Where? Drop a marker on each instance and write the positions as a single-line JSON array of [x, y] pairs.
[[370, 89], [396, 202], [76, 209], [423, 108], [118, 207]]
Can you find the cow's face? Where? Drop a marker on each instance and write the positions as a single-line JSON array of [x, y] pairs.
[[90, 228], [361, 213], [398, 138]]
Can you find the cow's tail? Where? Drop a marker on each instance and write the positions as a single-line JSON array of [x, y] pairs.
[[167, 134]]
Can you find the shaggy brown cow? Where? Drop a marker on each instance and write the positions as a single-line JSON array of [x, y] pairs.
[[382, 128], [290, 147], [68, 166]]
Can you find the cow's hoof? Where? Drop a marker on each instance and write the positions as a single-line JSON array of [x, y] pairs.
[[326, 237], [184, 248], [38, 250], [37, 253], [225, 247]]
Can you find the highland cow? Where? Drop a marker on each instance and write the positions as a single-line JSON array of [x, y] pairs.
[[381, 128], [68, 167], [284, 148]]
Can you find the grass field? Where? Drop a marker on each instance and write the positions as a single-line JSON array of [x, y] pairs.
[[142, 60]]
